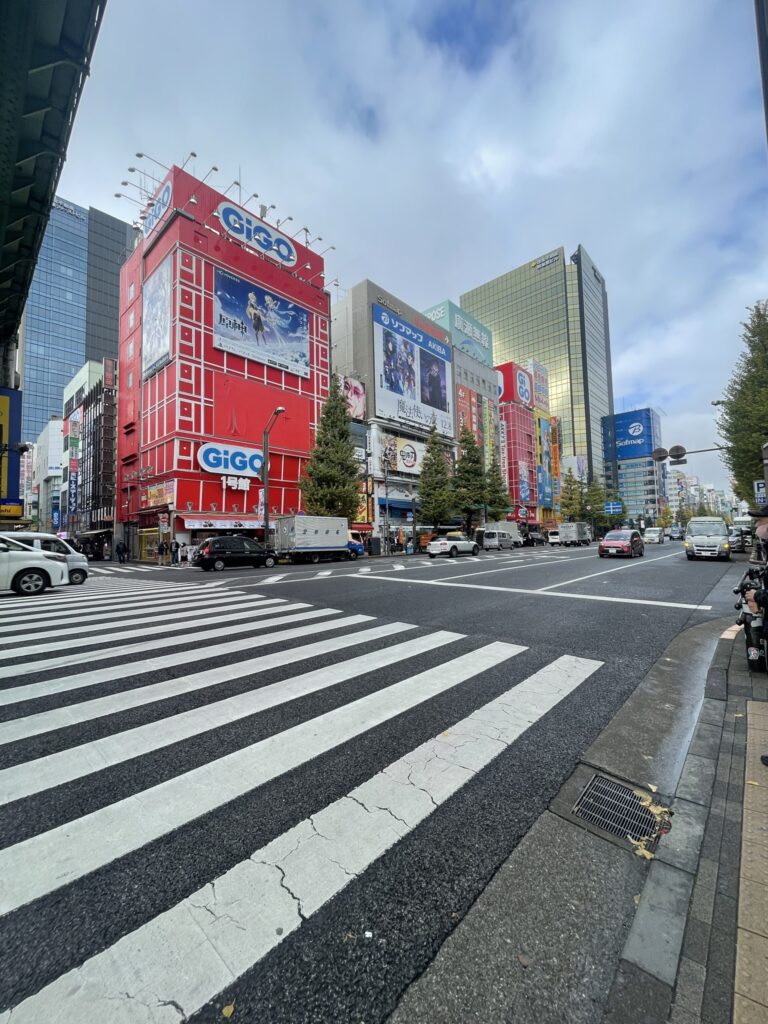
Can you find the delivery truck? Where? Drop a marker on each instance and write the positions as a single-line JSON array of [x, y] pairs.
[[574, 534], [312, 538]]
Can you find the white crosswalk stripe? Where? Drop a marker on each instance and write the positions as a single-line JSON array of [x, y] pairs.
[[288, 687]]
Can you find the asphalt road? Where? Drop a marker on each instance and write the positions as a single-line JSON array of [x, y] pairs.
[[280, 790]]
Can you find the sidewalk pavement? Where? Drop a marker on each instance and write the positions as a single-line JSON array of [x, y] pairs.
[[581, 925]]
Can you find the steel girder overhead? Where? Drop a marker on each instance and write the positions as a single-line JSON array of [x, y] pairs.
[[45, 53]]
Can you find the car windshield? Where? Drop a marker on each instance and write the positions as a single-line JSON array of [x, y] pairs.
[[618, 535], [701, 528]]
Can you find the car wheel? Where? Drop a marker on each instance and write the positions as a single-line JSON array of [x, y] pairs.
[[218, 565], [353, 556], [475, 549], [689, 557], [269, 562], [314, 558], [29, 582], [77, 577], [601, 554], [431, 556], [642, 552], [453, 552]]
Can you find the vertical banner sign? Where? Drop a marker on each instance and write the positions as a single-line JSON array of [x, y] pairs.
[[503, 453], [555, 422], [544, 468], [525, 487], [10, 434], [72, 492], [489, 433]]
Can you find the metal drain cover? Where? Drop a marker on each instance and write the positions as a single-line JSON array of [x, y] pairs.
[[616, 808]]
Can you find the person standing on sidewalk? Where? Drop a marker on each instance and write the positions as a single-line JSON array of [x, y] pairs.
[[161, 549], [175, 546], [120, 549]]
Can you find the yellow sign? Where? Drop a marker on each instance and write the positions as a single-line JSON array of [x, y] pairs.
[[11, 510]]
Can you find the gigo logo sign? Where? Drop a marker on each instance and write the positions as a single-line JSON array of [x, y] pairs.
[[225, 458], [156, 212], [254, 232], [635, 429], [523, 382]]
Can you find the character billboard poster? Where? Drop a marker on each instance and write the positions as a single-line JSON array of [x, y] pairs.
[[353, 392], [156, 320], [414, 381], [256, 324], [544, 468]]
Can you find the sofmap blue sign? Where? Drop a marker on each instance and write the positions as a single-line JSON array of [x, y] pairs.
[[634, 435]]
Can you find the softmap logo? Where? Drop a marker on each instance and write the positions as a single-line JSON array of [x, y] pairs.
[[635, 429]]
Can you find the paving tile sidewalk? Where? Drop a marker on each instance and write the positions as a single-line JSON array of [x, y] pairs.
[[728, 909]]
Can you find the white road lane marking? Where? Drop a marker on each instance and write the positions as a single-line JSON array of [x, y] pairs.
[[46, 862], [146, 626], [271, 579], [630, 563], [546, 593], [99, 707], [325, 572], [23, 780], [151, 605], [224, 929]]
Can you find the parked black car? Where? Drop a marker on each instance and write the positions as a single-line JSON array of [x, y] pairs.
[[533, 537], [223, 552]]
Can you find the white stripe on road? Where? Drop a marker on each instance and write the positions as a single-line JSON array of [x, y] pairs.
[[365, 569], [224, 929], [75, 714], [47, 862], [627, 565], [271, 579], [546, 593], [55, 769], [160, 643], [152, 606], [180, 625], [154, 617], [325, 572], [91, 677], [68, 596]]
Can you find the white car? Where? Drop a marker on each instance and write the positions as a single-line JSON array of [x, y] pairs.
[[29, 572], [553, 537], [77, 563], [452, 544], [653, 535]]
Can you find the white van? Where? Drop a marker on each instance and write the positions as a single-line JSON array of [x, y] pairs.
[[77, 563], [707, 537], [29, 572], [500, 536]]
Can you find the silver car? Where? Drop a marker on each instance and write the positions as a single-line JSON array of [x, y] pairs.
[[77, 563]]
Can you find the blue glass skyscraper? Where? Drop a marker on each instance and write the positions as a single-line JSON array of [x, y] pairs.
[[71, 313]]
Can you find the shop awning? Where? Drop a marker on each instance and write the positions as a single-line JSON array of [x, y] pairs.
[[93, 533], [407, 506]]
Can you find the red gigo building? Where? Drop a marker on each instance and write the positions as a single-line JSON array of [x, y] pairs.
[[223, 319]]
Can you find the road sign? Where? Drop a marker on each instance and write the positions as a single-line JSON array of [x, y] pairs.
[[759, 487], [678, 462], [612, 508], [677, 452]]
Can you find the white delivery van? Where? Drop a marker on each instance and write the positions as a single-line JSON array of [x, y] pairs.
[[312, 538], [501, 536], [77, 563], [707, 537]]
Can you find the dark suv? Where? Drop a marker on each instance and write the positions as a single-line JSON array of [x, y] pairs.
[[222, 552]]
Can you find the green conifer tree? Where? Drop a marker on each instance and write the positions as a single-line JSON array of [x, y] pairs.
[[570, 498], [497, 499], [469, 479], [330, 483], [435, 495]]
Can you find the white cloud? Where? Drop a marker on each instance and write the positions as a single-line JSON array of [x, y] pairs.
[[636, 130]]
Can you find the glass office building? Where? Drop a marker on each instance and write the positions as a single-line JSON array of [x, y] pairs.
[[71, 314], [556, 313]]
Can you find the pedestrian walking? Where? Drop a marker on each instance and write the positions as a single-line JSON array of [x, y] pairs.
[[121, 552], [175, 548], [161, 552], [191, 552]]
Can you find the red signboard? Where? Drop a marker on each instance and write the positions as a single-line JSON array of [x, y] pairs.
[[515, 384]]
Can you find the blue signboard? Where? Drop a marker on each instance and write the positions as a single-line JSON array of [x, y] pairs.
[[55, 517], [72, 492], [10, 434], [612, 508], [634, 435]]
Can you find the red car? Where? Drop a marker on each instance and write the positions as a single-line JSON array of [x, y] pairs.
[[621, 542]]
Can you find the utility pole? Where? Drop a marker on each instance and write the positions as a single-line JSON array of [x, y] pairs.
[[265, 469]]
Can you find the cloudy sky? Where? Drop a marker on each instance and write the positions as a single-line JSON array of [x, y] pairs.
[[439, 143]]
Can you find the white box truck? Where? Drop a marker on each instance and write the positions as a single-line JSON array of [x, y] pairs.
[[574, 534], [311, 538]]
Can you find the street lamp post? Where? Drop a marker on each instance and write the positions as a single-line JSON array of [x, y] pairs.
[[265, 469]]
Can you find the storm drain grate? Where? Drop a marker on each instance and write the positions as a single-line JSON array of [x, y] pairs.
[[616, 809]]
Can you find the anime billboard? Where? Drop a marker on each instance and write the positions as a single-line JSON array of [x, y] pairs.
[[353, 392], [156, 320], [414, 380], [544, 467], [251, 322]]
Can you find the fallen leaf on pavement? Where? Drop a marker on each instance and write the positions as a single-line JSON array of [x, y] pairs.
[[653, 789], [751, 782], [523, 959], [636, 900], [228, 1010]]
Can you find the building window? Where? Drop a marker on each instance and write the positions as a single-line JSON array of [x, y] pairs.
[[131, 291], [130, 320], [129, 379]]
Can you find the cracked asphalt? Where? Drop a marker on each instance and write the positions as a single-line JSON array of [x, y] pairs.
[[321, 893]]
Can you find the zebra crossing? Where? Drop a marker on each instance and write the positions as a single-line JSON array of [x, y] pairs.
[[192, 779]]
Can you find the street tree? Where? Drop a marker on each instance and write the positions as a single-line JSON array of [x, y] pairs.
[[744, 414], [664, 518], [570, 498], [594, 504], [469, 479], [435, 492], [497, 500], [330, 483]]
